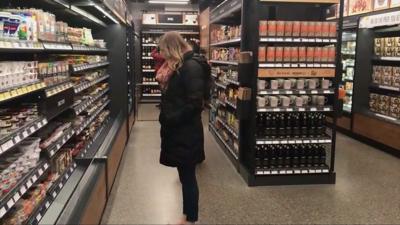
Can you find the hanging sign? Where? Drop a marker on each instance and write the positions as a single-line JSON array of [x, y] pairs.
[[170, 18], [386, 19]]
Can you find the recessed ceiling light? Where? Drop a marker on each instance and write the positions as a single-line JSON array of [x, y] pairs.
[[176, 2]]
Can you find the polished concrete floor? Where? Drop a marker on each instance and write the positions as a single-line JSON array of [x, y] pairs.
[[367, 189]]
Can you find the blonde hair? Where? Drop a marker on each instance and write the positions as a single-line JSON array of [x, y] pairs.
[[173, 46]]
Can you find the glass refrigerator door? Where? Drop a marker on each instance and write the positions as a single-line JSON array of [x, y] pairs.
[[348, 61]]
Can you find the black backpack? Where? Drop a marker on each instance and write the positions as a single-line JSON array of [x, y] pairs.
[[207, 72]]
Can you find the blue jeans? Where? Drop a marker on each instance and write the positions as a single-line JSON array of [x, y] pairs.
[[190, 192]]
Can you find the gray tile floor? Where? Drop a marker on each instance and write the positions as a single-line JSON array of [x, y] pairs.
[[367, 189]]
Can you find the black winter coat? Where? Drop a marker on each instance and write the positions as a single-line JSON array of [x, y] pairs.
[[182, 139]]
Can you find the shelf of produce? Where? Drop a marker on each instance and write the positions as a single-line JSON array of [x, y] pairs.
[[231, 104], [85, 85], [81, 107], [90, 66], [290, 141], [58, 88], [150, 83], [296, 92], [15, 92], [229, 128], [234, 41], [297, 109], [11, 140], [295, 72], [296, 65], [229, 148], [149, 70], [27, 181], [221, 85], [291, 171], [91, 118], [52, 193], [224, 62], [385, 87], [232, 81], [55, 147], [298, 40], [386, 58], [149, 45]]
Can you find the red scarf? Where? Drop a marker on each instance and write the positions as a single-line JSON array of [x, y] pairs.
[[163, 75]]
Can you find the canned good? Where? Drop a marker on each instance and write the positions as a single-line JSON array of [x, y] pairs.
[[287, 54], [304, 28], [311, 29], [271, 54], [261, 53], [310, 54], [271, 29], [325, 29], [294, 53], [318, 54], [302, 54], [288, 28], [279, 54], [263, 27], [280, 28], [296, 29], [318, 29]]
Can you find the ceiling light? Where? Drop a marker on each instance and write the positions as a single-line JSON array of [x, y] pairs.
[[176, 2], [87, 15]]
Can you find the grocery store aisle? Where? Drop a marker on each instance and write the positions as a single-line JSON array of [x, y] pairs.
[[367, 189]]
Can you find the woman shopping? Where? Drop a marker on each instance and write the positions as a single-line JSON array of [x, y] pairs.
[[184, 79]]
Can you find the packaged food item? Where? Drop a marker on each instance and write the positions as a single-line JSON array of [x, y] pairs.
[[272, 28], [324, 55], [302, 54], [377, 74], [332, 29], [397, 41], [325, 29], [279, 54], [263, 28], [378, 42], [310, 54], [280, 28], [304, 28], [294, 53], [389, 42], [318, 29], [378, 50], [331, 54], [287, 54], [388, 51], [288, 28], [311, 29], [271, 54], [296, 29], [318, 54], [261, 53]]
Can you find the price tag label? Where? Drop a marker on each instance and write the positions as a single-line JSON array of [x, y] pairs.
[[259, 173], [58, 146], [287, 65], [318, 171], [304, 171], [327, 92], [32, 129], [284, 142], [275, 142], [40, 172], [302, 109], [310, 65], [54, 194], [7, 145], [289, 92], [259, 142], [302, 65], [268, 172], [326, 40], [47, 205], [7, 95], [289, 110], [276, 110], [274, 172], [282, 172], [52, 152], [10, 203], [313, 109], [2, 211], [297, 171], [38, 217], [34, 178], [306, 141], [66, 176], [29, 183], [314, 92], [23, 189], [60, 185], [325, 171], [311, 171], [292, 142], [16, 197], [327, 109]]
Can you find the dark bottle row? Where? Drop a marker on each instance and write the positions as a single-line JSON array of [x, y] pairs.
[[282, 125], [290, 156], [151, 90], [147, 64], [147, 50]]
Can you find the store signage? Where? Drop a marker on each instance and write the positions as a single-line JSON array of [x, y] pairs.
[[386, 19], [170, 18]]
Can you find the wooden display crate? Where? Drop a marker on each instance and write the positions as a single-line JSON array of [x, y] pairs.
[[296, 72]]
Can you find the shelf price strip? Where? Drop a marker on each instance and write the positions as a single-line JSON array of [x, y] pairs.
[[232, 41], [53, 192], [87, 147], [233, 105], [326, 140], [78, 68], [289, 92], [6, 95], [296, 65], [56, 46], [292, 171], [222, 140], [297, 109], [20, 135], [298, 40], [220, 85], [233, 82], [54, 149], [88, 49], [224, 62], [83, 106], [13, 197], [58, 89], [84, 86], [27, 45]]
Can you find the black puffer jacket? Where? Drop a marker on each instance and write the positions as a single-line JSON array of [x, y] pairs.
[[182, 139]]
